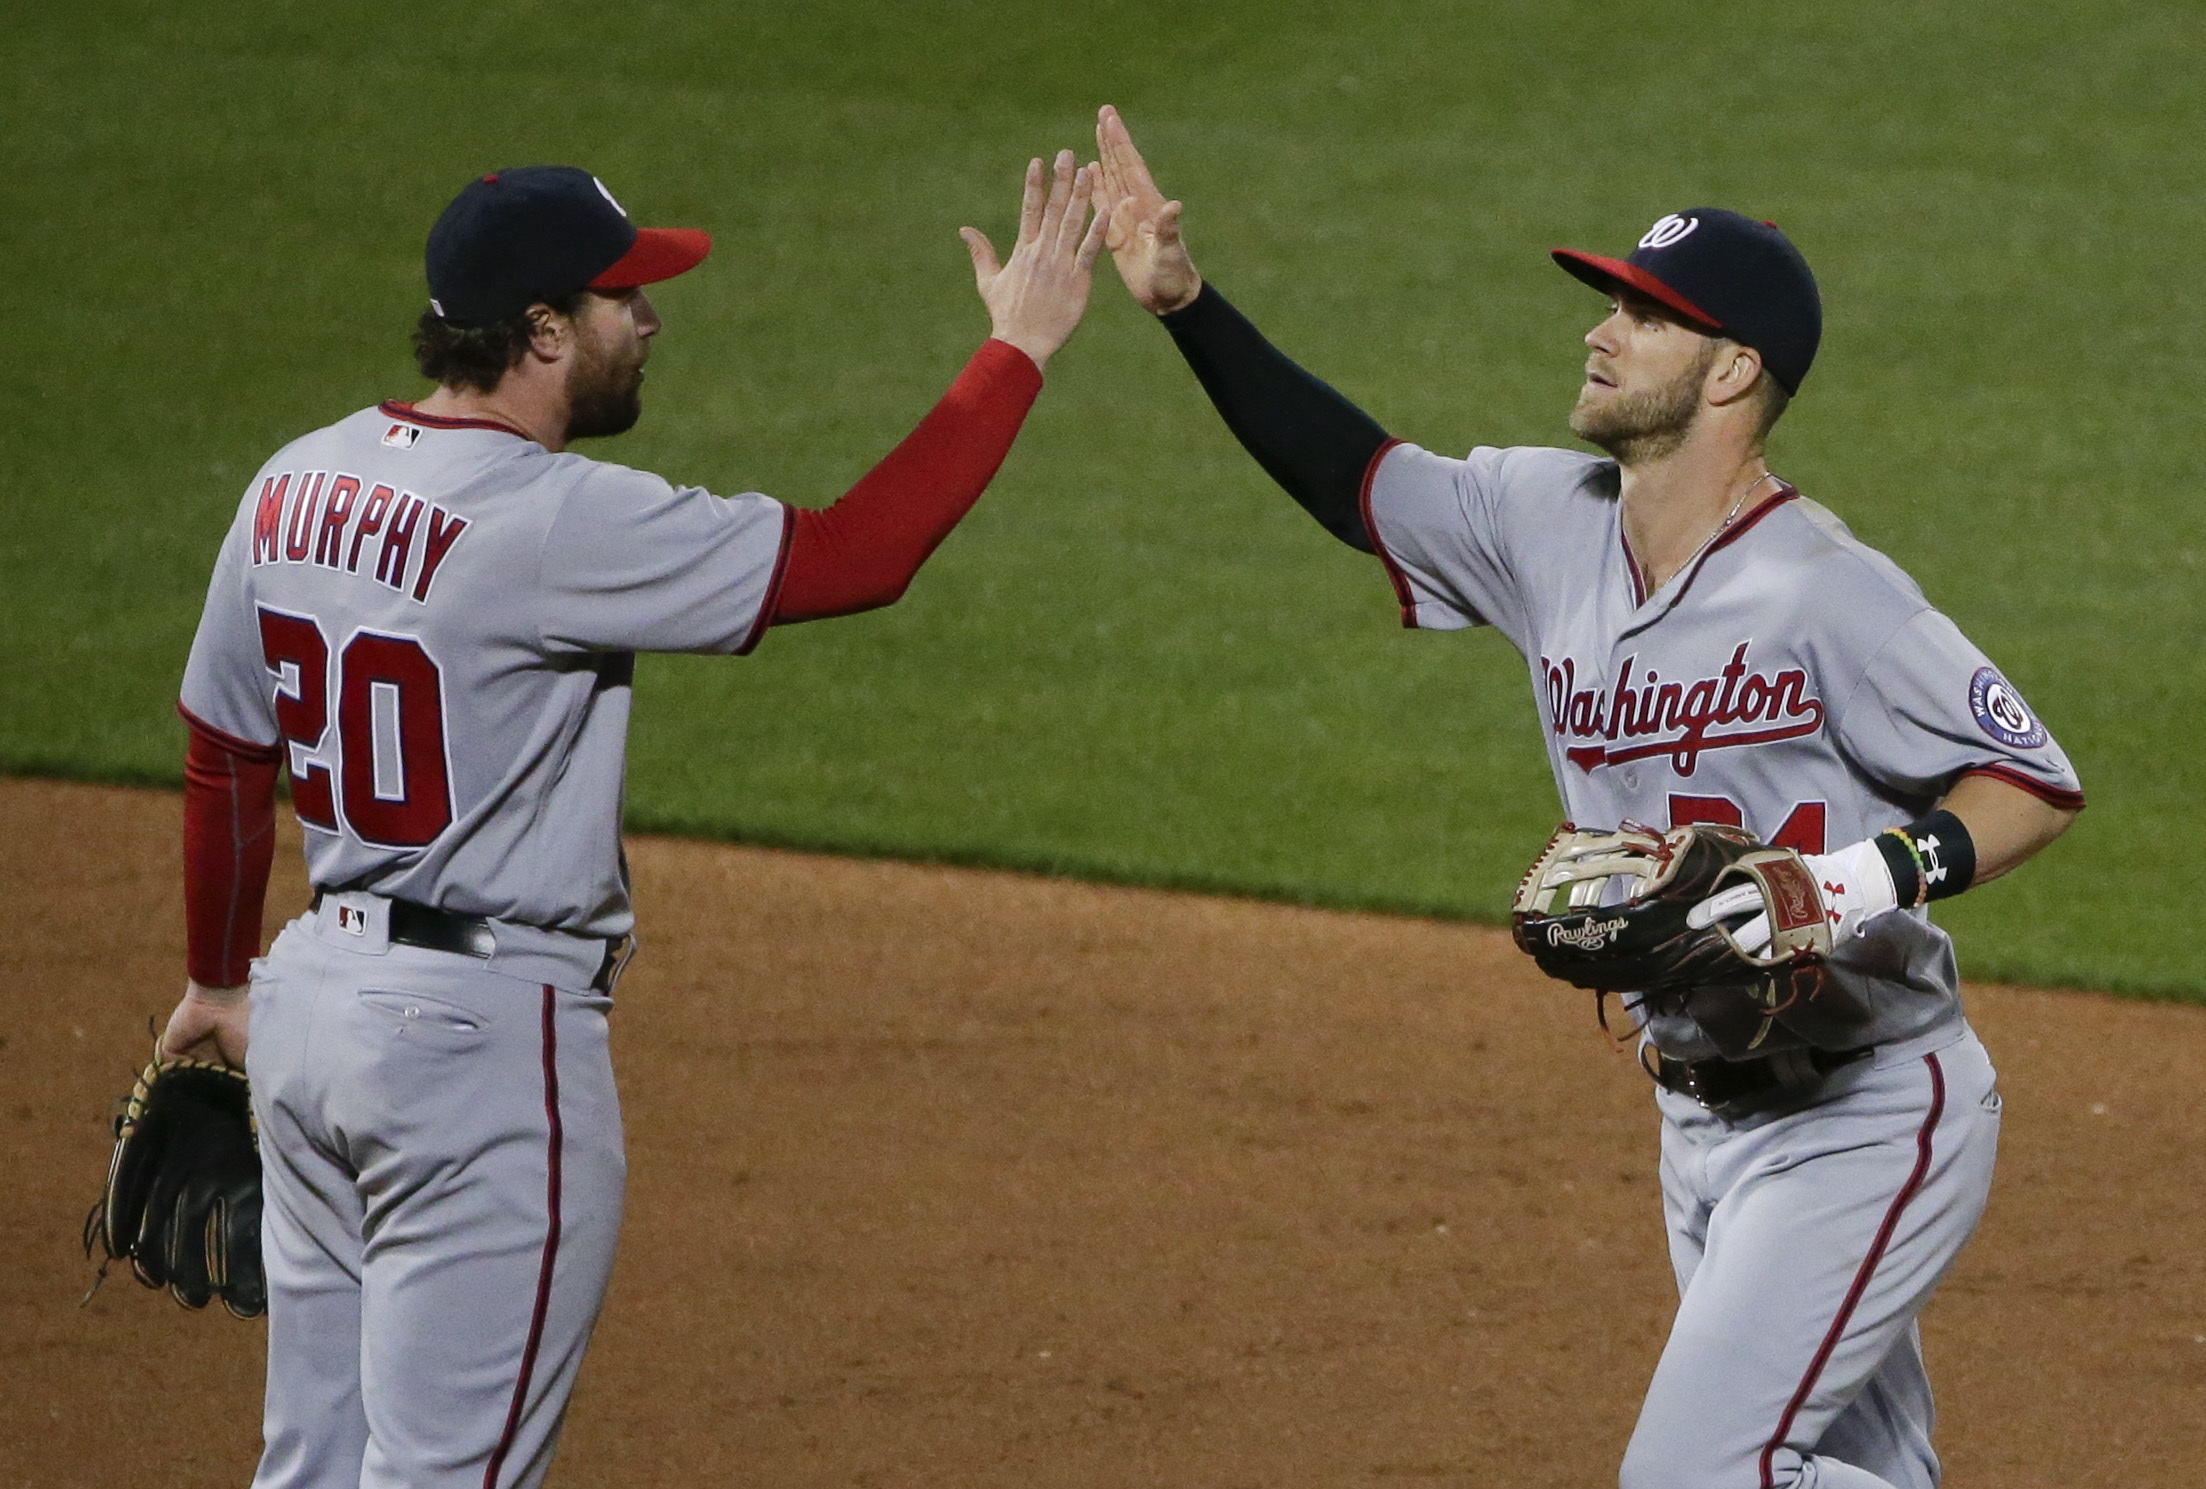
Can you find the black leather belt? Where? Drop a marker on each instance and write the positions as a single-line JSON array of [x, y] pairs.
[[1717, 1084], [472, 935]]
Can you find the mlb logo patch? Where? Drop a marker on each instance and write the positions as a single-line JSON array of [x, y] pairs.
[[401, 436], [352, 920]]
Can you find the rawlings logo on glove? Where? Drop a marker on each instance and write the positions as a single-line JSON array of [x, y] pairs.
[[1590, 935]]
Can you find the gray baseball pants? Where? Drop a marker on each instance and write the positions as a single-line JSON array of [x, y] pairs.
[[441, 1145], [1805, 1242]]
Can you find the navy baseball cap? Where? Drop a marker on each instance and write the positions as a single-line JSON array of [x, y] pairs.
[[540, 232], [1724, 273]]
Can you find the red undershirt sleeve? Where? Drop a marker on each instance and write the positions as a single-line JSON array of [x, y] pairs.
[[229, 846], [862, 552]]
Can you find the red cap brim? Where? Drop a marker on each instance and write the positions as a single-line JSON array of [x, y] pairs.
[[1607, 273], [658, 253]]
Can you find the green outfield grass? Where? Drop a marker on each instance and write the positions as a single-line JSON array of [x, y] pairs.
[[1138, 660]]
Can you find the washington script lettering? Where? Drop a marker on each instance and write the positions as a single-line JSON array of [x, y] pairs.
[[1738, 706]]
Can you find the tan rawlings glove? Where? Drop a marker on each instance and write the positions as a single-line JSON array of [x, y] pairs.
[[1704, 920]]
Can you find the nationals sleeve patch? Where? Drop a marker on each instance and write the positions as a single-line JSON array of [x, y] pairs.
[[2001, 713]]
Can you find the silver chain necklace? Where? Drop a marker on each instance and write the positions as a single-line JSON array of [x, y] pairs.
[[1723, 526]]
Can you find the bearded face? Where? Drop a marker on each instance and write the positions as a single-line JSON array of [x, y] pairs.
[[605, 380], [1647, 419]]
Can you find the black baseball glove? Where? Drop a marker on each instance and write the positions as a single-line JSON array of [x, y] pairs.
[[183, 1196], [1629, 912]]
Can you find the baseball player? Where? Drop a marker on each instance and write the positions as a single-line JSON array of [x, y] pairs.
[[1708, 645], [428, 614]]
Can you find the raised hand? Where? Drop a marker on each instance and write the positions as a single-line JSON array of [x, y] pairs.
[[1144, 235], [1036, 298]]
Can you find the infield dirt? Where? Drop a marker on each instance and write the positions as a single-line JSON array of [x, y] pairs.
[[950, 1177]]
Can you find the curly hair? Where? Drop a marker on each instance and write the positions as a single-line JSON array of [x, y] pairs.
[[477, 357]]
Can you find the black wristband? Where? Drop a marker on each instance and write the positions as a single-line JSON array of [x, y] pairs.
[[1932, 858]]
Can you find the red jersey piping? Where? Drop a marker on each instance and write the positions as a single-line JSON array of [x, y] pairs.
[[555, 1143], [773, 583], [1924, 1150], [1394, 573], [259, 754], [1631, 562], [1785, 492], [2059, 796], [412, 415]]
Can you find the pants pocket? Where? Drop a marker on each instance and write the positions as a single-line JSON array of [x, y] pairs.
[[416, 1016]]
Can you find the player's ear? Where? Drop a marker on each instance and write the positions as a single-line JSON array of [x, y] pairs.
[[550, 333], [1733, 375]]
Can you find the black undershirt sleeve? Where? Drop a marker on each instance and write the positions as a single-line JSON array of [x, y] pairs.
[[1313, 442]]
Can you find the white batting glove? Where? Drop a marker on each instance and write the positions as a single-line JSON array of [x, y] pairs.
[[1855, 883]]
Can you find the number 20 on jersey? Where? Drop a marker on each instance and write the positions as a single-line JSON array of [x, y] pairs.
[[384, 762]]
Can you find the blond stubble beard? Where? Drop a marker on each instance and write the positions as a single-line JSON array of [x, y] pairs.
[[1638, 427]]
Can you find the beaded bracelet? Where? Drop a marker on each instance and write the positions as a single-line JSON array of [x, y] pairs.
[[1922, 870]]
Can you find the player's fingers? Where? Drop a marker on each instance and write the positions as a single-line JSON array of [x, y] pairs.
[[1030, 204], [1753, 937], [986, 265], [183, 1031], [1123, 219], [1736, 900], [1061, 174], [1168, 223], [1108, 133], [196, 1032], [1114, 187], [1099, 232], [1117, 144], [1112, 140], [1072, 227], [1106, 137]]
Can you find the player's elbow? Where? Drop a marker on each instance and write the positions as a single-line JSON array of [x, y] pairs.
[[874, 597], [819, 594], [2044, 821]]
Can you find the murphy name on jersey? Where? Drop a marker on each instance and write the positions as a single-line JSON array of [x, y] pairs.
[[321, 517]]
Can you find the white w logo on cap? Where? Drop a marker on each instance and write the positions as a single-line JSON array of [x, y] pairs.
[[1668, 230]]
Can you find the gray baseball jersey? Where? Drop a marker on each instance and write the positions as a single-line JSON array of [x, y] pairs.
[[438, 619], [1789, 679]]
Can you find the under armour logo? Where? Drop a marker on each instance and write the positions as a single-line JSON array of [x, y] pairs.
[[1669, 230], [1935, 871], [1834, 891]]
